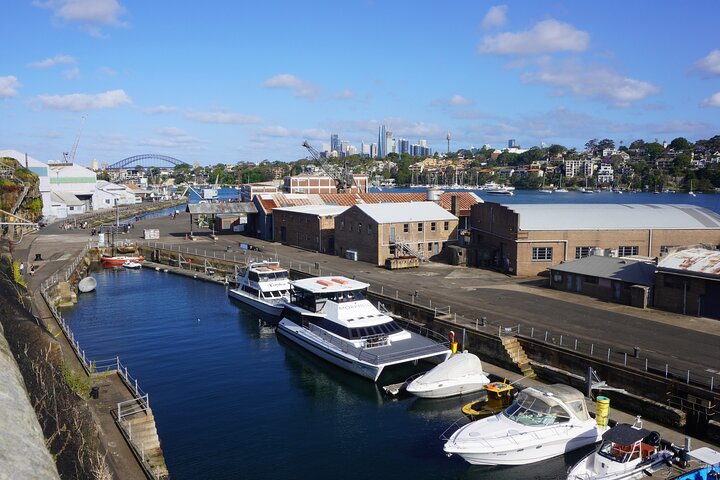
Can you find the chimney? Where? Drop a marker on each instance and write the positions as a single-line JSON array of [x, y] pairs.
[[454, 206]]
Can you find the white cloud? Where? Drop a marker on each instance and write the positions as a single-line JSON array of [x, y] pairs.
[[72, 73], [345, 95], [545, 37], [275, 131], [171, 137], [495, 17], [56, 60], [597, 83], [712, 101], [90, 14], [457, 100], [300, 87], [107, 71], [709, 64], [222, 117], [9, 86], [84, 101], [159, 109]]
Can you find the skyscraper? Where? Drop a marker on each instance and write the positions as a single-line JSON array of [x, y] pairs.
[[334, 142], [382, 142]]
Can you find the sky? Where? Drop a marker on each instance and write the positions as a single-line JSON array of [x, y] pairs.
[[227, 81]]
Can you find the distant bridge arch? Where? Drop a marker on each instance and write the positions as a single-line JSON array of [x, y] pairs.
[[145, 160]]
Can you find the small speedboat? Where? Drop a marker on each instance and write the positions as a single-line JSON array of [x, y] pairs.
[[460, 374], [626, 452], [132, 265], [543, 422], [117, 261]]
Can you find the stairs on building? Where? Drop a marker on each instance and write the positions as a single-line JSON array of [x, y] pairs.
[[143, 434], [517, 354]]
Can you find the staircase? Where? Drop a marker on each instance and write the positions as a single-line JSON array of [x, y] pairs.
[[404, 249], [517, 355], [141, 430]]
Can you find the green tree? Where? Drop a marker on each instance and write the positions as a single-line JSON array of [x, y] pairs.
[[654, 150], [680, 144]]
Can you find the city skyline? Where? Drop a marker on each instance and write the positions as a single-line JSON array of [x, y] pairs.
[[251, 82]]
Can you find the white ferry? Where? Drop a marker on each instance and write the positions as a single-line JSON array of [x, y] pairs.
[[331, 317], [264, 286]]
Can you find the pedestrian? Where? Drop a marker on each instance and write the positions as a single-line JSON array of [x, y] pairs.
[[22, 268]]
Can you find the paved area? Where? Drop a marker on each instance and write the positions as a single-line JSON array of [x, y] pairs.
[[682, 342]]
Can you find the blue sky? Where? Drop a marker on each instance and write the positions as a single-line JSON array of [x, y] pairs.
[[229, 81]]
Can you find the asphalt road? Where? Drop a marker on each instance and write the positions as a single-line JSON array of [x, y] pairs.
[[682, 342]]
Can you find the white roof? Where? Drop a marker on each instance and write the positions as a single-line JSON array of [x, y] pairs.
[[315, 209], [20, 157], [575, 216], [66, 198], [693, 260], [329, 284], [405, 212]]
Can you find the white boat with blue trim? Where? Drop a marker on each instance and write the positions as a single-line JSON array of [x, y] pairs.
[[332, 318], [264, 286]]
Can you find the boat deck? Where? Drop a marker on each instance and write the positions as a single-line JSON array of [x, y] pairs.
[[415, 347]]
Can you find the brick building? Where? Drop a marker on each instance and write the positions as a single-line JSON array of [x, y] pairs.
[[310, 226], [374, 232], [688, 282], [322, 184], [528, 239]]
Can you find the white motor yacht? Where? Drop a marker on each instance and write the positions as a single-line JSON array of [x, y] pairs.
[[331, 317], [543, 422], [460, 374], [627, 451], [264, 286]]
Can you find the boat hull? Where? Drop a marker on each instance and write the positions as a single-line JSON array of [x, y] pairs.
[[274, 309], [446, 391], [118, 261], [327, 351], [584, 471]]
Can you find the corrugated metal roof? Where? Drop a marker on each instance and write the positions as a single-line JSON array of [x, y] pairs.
[[612, 268], [220, 207], [316, 209], [268, 201], [465, 199], [694, 260], [406, 212], [66, 198], [614, 217]]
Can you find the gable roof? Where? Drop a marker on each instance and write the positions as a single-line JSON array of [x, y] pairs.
[[405, 212], [66, 198]]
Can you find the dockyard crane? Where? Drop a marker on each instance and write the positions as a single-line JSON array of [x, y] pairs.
[[70, 156], [343, 176]]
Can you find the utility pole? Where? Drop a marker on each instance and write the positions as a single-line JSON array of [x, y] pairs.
[[448, 140]]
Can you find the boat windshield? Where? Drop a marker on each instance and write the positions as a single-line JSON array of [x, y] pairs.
[[533, 411], [619, 453], [279, 275], [343, 297]]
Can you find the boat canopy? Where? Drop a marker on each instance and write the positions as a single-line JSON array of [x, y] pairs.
[[625, 434], [548, 404], [459, 365]]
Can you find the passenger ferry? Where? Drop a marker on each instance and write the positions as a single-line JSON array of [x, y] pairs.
[[332, 318], [264, 286]]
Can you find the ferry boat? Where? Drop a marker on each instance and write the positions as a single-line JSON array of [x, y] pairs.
[[118, 261], [543, 422], [627, 451], [264, 286], [332, 318]]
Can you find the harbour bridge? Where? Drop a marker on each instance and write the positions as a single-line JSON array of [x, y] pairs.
[[146, 160]]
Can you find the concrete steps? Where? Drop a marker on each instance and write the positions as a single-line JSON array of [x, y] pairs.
[[518, 356], [143, 434]]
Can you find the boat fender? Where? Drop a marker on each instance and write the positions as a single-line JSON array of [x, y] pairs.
[[452, 336]]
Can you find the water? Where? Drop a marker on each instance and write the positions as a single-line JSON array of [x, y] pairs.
[[231, 400]]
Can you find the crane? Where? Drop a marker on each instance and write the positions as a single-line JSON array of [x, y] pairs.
[[343, 176], [70, 156]]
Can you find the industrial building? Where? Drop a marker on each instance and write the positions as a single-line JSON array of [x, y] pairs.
[[527, 239], [375, 232], [688, 282], [310, 226]]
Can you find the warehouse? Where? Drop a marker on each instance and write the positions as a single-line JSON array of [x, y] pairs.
[[527, 239], [308, 226], [688, 282]]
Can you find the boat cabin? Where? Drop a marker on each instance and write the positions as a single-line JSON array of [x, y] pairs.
[[626, 443], [547, 405], [265, 280]]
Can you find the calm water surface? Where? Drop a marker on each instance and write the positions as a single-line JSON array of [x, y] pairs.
[[232, 401]]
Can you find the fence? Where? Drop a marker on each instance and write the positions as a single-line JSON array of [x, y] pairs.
[[141, 401], [609, 353]]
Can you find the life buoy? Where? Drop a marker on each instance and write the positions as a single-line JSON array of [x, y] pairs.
[[452, 336]]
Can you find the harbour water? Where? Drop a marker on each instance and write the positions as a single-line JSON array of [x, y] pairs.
[[233, 401]]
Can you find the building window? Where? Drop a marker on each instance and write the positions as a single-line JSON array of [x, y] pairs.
[[446, 226], [359, 227], [420, 227], [369, 229], [406, 227], [107, 200], [664, 249], [429, 246], [582, 252], [342, 224], [432, 226], [627, 251], [542, 254]]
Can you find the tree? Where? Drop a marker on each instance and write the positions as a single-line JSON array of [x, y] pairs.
[[605, 143], [554, 150], [591, 145], [637, 145], [680, 144], [680, 164], [654, 150]]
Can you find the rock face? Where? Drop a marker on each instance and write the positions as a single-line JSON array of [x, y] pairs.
[[22, 444]]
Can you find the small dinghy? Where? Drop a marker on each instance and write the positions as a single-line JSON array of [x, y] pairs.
[[460, 374], [87, 284]]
